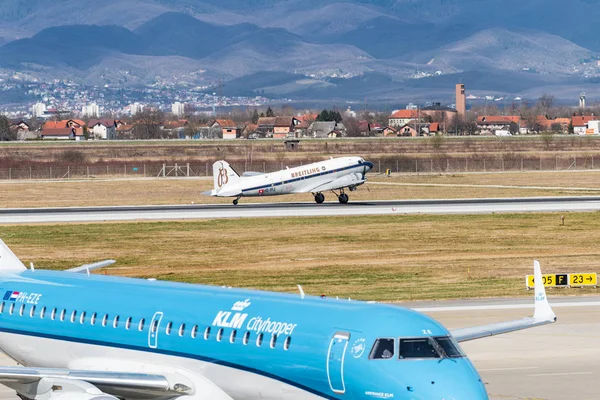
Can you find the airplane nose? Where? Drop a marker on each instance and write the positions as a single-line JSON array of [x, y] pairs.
[[369, 165]]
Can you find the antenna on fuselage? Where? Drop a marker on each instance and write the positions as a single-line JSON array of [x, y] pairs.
[[32, 267], [301, 292]]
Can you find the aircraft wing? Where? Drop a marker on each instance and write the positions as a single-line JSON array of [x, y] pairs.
[[105, 385], [543, 315], [341, 182], [92, 266]]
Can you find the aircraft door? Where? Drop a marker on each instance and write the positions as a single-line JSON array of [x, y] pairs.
[[335, 361], [153, 329]]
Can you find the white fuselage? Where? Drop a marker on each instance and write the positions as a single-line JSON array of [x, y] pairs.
[[315, 177], [238, 384]]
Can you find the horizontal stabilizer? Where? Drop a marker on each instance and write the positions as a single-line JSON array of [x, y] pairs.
[[8, 260], [543, 315], [92, 266]]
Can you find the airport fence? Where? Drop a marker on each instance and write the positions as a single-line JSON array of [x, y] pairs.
[[401, 164]]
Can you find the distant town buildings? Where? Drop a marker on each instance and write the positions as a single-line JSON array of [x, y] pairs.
[[38, 110], [90, 110], [178, 109], [135, 108]]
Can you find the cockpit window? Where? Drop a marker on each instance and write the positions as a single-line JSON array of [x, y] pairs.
[[450, 347], [429, 347], [382, 349], [417, 348]]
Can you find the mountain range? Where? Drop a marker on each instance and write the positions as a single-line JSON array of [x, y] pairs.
[[321, 49]]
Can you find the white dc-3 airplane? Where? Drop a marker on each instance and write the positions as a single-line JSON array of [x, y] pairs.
[[335, 174], [82, 336]]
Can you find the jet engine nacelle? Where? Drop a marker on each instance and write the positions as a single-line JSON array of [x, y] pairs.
[[60, 389]]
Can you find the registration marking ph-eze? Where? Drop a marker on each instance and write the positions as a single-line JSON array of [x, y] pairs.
[[22, 297]]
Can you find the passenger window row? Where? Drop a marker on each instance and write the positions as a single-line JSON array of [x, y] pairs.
[[220, 333], [61, 315]]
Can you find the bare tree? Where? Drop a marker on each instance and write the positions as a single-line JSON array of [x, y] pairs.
[[148, 124], [5, 132], [352, 127], [545, 103]]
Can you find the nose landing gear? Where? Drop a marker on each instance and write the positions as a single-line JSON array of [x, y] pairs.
[[236, 200]]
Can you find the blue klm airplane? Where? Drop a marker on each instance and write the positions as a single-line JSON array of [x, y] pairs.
[[94, 337]]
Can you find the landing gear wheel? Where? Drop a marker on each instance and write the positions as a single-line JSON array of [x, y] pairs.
[[319, 198], [235, 202], [343, 198]]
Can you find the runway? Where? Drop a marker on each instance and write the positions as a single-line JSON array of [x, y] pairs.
[[253, 210], [552, 362]]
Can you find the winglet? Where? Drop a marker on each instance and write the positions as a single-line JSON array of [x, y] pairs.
[[8, 260], [543, 311], [301, 292]]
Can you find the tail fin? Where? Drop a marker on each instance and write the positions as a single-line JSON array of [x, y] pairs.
[[8, 260], [223, 175]]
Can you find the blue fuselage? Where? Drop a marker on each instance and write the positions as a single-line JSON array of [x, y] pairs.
[[320, 347]]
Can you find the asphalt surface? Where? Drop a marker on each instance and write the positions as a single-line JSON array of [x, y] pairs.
[[552, 362], [204, 211]]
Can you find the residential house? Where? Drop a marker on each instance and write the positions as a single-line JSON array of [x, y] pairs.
[[364, 127], [176, 129], [61, 134], [580, 123], [305, 121], [124, 131], [491, 124], [102, 129], [23, 130], [413, 128], [551, 124], [64, 129], [323, 129], [403, 117], [434, 128], [250, 131], [228, 128], [389, 131], [278, 127]]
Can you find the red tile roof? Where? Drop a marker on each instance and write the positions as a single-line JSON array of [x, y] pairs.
[[405, 114], [582, 120], [547, 123], [226, 123], [106, 122], [180, 123], [434, 127], [498, 119]]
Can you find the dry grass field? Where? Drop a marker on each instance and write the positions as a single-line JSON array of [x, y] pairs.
[[400, 186], [381, 258]]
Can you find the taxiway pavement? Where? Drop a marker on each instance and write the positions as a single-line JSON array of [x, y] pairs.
[[559, 361]]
